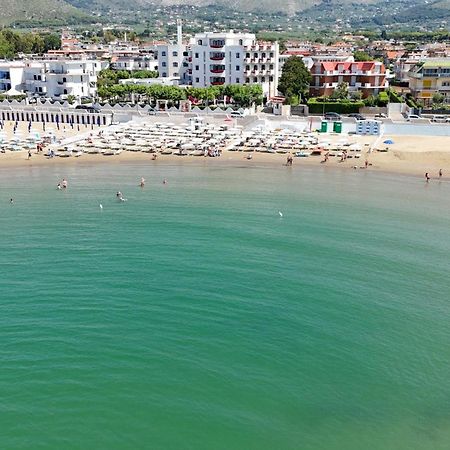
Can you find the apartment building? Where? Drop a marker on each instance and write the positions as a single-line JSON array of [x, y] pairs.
[[133, 61], [55, 79], [234, 58], [430, 77], [368, 77]]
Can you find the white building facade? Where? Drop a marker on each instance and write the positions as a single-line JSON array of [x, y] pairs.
[[234, 58], [55, 79]]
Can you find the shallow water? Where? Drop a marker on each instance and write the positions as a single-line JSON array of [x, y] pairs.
[[193, 316]]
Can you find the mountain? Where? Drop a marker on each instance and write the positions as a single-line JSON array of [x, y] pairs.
[[36, 11]]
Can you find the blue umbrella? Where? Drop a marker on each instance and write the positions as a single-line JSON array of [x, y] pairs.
[[388, 141]]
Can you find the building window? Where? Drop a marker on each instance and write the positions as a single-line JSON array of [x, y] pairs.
[[163, 53], [263, 79], [271, 55], [175, 74], [185, 64], [197, 67], [238, 55], [185, 54], [64, 80], [164, 64], [175, 64], [196, 55], [247, 80], [238, 80], [197, 80], [200, 42], [241, 41], [255, 80], [174, 53], [247, 55], [164, 74], [238, 68]]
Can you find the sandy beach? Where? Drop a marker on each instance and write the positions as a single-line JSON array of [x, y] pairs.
[[412, 155]]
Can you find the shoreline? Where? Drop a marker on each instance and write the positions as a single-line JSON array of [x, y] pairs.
[[394, 163]]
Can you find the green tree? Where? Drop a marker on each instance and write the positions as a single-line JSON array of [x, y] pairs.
[[295, 78], [341, 91], [51, 42], [359, 55], [438, 98]]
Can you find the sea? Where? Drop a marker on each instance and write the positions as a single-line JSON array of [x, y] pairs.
[[234, 307]]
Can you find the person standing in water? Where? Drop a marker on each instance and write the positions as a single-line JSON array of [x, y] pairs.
[[11, 201], [142, 184], [440, 173], [64, 183], [427, 177]]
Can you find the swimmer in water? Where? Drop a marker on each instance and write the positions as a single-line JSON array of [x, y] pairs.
[[58, 186], [164, 181], [427, 177], [11, 201], [64, 183], [142, 184]]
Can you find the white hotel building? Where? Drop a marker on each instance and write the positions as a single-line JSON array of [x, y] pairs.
[[234, 58], [55, 79]]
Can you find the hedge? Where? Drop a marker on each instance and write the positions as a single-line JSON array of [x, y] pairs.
[[341, 107]]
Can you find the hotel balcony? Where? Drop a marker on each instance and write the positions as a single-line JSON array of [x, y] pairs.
[[217, 83], [217, 70], [217, 56], [217, 44]]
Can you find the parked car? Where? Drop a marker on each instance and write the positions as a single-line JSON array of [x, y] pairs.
[[332, 116], [380, 116], [412, 117], [439, 119], [357, 116], [236, 114]]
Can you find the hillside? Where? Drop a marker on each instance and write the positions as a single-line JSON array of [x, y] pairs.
[[35, 11]]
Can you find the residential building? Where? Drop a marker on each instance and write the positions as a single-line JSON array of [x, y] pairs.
[[368, 77], [133, 61], [55, 79], [234, 58], [173, 59], [430, 77]]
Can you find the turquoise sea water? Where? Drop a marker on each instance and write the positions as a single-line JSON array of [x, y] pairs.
[[193, 316]]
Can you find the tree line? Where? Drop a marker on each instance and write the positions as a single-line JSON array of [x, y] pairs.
[[12, 43], [241, 95]]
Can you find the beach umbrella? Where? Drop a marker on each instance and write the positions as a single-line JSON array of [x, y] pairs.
[[388, 142]]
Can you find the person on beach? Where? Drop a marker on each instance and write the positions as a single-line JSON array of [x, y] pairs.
[[29, 154], [427, 177], [440, 173], [142, 183], [366, 164]]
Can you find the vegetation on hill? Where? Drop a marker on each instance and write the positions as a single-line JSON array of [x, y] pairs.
[[40, 12]]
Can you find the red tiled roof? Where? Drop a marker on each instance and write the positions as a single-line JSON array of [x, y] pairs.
[[346, 66]]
